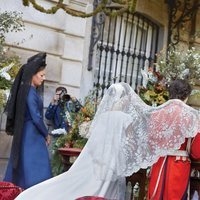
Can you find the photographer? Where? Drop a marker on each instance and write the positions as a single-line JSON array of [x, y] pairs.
[[60, 107]]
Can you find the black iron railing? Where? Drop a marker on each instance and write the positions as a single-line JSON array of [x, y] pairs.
[[126, 44]]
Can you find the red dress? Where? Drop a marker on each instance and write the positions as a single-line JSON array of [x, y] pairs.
[[175, 174]]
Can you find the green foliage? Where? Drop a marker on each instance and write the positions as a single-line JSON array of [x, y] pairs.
[[7, 58], [4, 83], [80, 142], [2, 99], [171, 64], [56, 160], [9, 22], [179, 64]]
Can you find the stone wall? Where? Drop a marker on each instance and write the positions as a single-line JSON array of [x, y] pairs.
[[194, 100], [158, 12]]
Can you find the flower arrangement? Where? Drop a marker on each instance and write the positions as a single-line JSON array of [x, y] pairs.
[[171, 64], [154, 91], [178, 63], [78, 134]]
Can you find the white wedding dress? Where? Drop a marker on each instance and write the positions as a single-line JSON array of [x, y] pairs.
[[126, 135]]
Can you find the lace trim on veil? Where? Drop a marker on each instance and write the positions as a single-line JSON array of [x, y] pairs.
[[127, 134]]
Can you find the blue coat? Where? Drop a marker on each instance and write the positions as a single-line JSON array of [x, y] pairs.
[[34, 166]]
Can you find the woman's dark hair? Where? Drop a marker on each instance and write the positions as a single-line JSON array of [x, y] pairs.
[[179, 89], [36, 63], [39, 69]]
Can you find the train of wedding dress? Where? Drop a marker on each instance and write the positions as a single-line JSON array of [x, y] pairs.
[[125, 135]]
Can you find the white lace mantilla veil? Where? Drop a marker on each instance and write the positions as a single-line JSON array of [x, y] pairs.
[[148, 132], [126, 135]]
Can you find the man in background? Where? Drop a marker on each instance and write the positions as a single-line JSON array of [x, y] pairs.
[[59, 109]]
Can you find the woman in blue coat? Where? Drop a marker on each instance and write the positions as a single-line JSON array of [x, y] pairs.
[[29, 160]]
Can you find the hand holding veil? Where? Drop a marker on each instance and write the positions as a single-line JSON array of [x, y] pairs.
[[127, 134]]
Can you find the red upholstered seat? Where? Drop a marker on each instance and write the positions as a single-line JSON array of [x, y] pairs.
[[91, 198], [9, 191]]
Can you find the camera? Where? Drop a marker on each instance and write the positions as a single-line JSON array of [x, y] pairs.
[[64, 97]]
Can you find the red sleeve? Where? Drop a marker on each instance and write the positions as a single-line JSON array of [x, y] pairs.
[[195, 147]]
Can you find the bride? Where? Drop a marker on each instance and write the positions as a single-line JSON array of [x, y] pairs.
[[126, 135]]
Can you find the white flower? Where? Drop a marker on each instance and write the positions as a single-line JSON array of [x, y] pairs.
[[59, 131], [152, 77], [3, 72], [84, 129], [68, 118], [195, 92], [185, 73], [196, 56], [145, 78], [5, 75]]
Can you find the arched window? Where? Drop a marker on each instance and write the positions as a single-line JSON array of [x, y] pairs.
[[127, 44]]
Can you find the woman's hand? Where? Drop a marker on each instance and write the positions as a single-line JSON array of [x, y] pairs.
[[48, 140]]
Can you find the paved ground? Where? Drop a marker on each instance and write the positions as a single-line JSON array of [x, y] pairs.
[[3, 164], [5, 145]]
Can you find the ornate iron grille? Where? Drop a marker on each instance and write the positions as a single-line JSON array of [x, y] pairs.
[[126, 44], [182, 13]]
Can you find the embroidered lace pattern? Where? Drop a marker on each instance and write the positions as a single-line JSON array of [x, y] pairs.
[[130, 135]]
